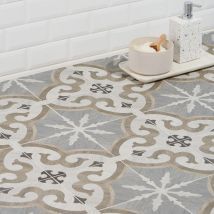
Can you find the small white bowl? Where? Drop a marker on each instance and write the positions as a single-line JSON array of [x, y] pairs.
[[145, 63]]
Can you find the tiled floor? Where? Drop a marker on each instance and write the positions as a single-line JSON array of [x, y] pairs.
[[90, 139]]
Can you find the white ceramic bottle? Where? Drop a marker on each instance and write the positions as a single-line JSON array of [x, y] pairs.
[[186, 33]]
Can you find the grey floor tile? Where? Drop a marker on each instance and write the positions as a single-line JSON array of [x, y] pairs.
[[84, 86], [161, 190], [35, 84], [56, 180], [158, 139], [192, 98], [86, 129], [15, 87]]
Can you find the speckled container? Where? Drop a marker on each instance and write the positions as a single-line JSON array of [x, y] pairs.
[[187, 38], [208, 39]]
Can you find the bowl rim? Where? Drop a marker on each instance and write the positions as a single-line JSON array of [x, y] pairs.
[[131, 45]]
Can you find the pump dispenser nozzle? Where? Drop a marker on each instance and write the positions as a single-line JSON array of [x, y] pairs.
[[188, 7]]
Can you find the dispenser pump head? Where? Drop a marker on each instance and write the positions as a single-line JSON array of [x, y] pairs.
[[188, 8]]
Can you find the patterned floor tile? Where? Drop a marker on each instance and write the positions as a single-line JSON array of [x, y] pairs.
[[86, 129], [162, 190], [16, 87], [156, 139], [110, 64], [33, 84], [192, 98], [17, 105], [84, 87], [91, 140], [17, 118], [55, 180]]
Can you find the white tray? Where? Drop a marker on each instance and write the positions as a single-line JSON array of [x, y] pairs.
[[205, 61]]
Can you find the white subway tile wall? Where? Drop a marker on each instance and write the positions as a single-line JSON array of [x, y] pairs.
[[7, 1], [35, 33], [47, 54], [89, 45]]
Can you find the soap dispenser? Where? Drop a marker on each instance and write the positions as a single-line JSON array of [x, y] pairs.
[[186, 33]]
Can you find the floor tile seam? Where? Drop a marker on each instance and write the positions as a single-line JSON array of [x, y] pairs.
[[158, 127], [126, 202], [175, 87], [211, 163], [14, 145]]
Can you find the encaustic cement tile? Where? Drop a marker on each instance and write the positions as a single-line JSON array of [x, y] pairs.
[[33, 84], [29, 120], [163, 190], [110, 64], [17, 115], [87, 129], [17, 107], [87, 106], [24, 119], [163, 139], [95, 182], [192, 98], [83, 87], [16, 87], [62, 182]]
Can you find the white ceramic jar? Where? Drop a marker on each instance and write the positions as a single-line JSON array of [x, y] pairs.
[[145, 63]]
